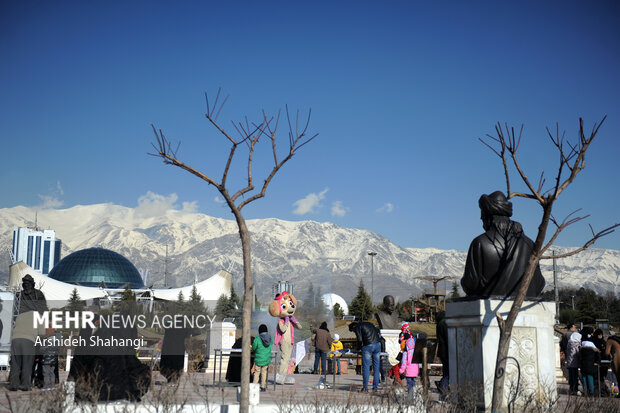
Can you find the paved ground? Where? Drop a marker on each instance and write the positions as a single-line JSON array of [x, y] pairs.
[[199, 389]]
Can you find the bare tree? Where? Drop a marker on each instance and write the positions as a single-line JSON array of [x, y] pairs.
[[249, 135], [571, 161]]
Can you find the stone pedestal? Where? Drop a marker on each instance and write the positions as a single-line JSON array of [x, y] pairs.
[[221, 335], [473, 337], [392, 347]]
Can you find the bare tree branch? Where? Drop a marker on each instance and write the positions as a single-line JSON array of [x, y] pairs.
[[591, 241], [250, 137], [561, 226]]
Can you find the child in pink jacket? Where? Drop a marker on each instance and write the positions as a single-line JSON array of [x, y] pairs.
[[407, 367]]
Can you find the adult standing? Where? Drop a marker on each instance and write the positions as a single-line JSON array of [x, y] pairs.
[[173, 353], [570, 329], [25, 334], [590, 360], [573, 362], [322, 344], [612, 350], [600, 387], [368, 339]]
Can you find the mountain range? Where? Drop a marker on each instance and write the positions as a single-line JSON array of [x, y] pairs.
[[192, 246]]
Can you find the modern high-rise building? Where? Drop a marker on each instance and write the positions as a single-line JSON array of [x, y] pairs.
[[40, 249]]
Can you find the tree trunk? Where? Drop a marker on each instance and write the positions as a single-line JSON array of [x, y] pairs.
[[506, 329], [248, 293]]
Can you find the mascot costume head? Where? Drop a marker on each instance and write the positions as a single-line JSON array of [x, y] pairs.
[[283, 307]]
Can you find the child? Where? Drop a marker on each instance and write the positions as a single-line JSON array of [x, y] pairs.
[[336, 346], [49, 359], [407, 366], [262, 356], [573, 361]]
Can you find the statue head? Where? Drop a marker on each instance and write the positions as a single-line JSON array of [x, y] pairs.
[[28, 283], [388, 304], [495, 204]]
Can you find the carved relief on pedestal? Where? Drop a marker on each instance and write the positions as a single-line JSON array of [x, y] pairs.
[[523, 347]]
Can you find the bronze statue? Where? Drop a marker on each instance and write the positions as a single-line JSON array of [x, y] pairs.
[[31, 299], [387, 318], [497, 259]]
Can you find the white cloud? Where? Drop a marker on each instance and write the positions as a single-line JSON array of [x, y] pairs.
[[153, 205], [387, 207], [338, 209], [50, 202], [218, 200], [190, 207], [309, 203]]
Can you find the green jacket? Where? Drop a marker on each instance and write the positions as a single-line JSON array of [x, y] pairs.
[[262, 352]]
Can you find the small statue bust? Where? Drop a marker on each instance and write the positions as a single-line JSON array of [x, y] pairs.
[[31, 299], [497, 259], [387, 318]]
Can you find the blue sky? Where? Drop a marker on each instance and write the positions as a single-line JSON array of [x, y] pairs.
[[400, 93]]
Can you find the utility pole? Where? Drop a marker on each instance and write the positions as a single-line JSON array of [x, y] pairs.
[[166, 268], [372, 277], [555, 288]]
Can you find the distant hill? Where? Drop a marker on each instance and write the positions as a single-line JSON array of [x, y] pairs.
[[333, 258]]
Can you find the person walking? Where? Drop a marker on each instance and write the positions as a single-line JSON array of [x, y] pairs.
[[262, 356], [407, 366], [573, 362], [368, 339], [336, 346], [322, 344]]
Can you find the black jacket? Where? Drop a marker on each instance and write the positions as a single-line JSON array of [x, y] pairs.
[[366, 333], [589, 356]]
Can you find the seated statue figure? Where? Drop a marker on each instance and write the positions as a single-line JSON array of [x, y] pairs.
[[388, 318], [497, 259]]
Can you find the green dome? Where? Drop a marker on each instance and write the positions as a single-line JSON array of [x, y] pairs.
[[92, 266]]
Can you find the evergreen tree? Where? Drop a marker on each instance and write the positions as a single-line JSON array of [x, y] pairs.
[[361, 306], [228, 307], [234, 298], [127, 304], [128, 294], [338, 311], [455, 290], [75, 302], [195, 306], [180, 304]]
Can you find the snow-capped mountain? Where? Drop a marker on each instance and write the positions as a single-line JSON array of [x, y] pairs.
[[331, 257]]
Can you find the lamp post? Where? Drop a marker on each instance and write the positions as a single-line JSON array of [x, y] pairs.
[[372, 276]]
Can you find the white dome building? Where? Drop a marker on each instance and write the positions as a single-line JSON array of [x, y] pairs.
[[330, 299]]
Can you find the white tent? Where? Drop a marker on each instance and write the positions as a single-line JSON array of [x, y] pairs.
[[210, 289]]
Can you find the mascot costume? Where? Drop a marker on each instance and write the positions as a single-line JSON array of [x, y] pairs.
[[283, 307]]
